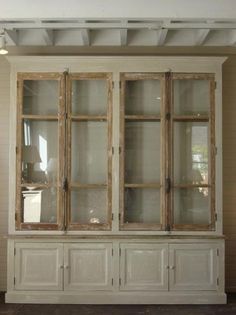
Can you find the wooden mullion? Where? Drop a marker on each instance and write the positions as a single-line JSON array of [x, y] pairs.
[[193, 76], [88, 186], [122, 150], [168, 150], [109, 152], [39, 226], [40, 117], [212, 150], [19, 137], [89, 117], [141, 227], [89, 227], [134, 76], [69, 149], [143, 117], [38, 185], [189, 186], [192, 227], [88, 76], [39, 76], [191, 118], [147, 185]]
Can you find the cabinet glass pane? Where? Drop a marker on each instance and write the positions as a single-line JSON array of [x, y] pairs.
[[40, 97], [142, 205], [89, 206], [142, 152], [191, 97], [192, 206], [89, 97], [142, 97], [39, 151], [191, 152], [39, 205], [89, 152]]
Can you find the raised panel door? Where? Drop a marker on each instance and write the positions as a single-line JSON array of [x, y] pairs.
[[38, 266], [193, 267], [88, 266], [144, 267]]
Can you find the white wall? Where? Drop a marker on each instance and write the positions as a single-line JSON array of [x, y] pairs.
[[4, 164]]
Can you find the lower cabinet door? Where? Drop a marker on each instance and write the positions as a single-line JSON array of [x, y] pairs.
[[144, 266], [88, 266], [38, 266], [193, 267]]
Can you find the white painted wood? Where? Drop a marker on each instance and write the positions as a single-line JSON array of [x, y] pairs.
[[144, 267], [161, 36], [201, 36], [85, 37], [193, 267], [148, 297], [88, 266], [38, 266], [123, 37], [48, 36], [12, 36]]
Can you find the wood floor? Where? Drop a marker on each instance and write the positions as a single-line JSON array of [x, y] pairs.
[[36, 309]]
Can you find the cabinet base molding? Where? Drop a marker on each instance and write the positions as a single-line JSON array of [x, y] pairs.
[[116, 298]]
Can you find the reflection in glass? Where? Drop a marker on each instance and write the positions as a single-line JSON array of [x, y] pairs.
[[89, 152], [39, 151], [142, 152], [191, 97], [89, 97], [191, 153], [142, 97], [142, 205], [40, 97], [89, 206], [39, 205], [192, 206]]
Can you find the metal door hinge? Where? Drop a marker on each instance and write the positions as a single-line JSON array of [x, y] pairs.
[[112, 252], [17, 84], [120, 251], [14, 251], [217, 281], [218, 252], [167, 227], [112, 216], [113, 84], [216, 217], [14, 280], [168, 185], [167, 116], [119, 150], [119, 216], [112, 150], [119, 281], [215, 85], [17, 150], [65, 184], [112, 281]]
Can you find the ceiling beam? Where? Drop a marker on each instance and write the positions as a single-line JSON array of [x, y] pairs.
[[85, 37], [201, 37], [123, 37], [161, 37], [48, 37], [11, 37]]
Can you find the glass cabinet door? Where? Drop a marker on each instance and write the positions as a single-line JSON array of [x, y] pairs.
[[141, 150], [89, 170], [39, 134], [193, 157]]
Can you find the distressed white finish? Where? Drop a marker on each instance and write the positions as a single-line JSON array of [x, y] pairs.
[[136, 284], [193, 267], [144, 267], [38, 266], [87, 266]]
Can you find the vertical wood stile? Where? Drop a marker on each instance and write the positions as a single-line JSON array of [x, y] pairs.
[[122, 148]]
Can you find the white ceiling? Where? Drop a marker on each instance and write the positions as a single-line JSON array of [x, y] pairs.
[[131, 23]]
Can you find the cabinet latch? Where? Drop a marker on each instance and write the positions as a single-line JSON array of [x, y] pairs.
[[167, 116]]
